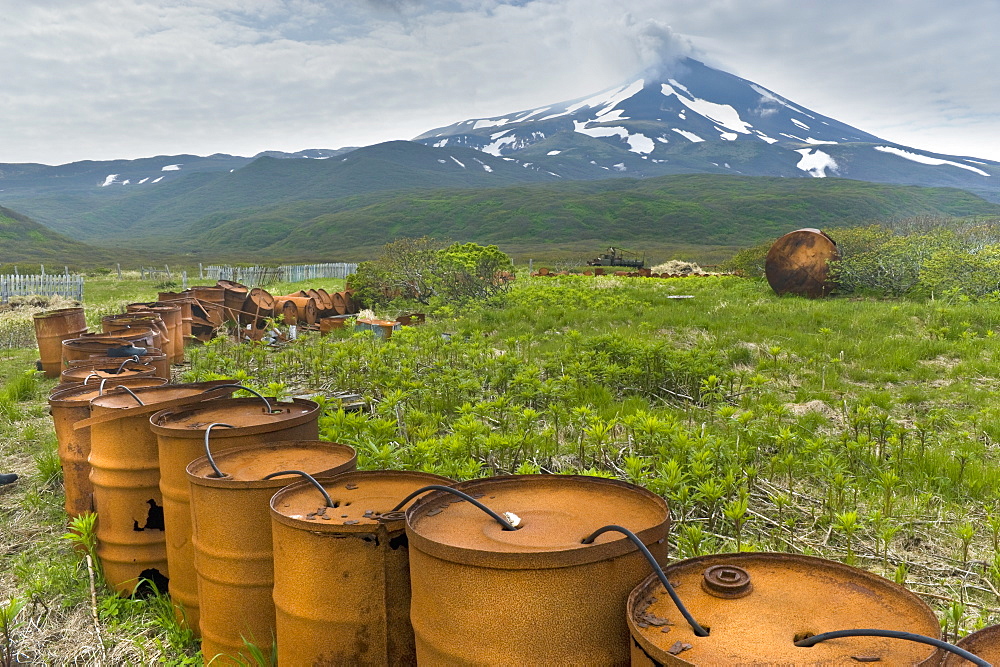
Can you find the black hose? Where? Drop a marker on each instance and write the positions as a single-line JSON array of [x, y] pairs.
[[315, 482], [239, 386], [695, 626], [464, 496], [208, 450], [894, 634], [134, 358], [126, 389]]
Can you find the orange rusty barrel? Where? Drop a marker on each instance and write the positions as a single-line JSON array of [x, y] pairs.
[[756, 605], [286, 310], [121, 369], [341, 573], [233, 296], [125, 476], [53, 327], [171, 314], [323, 301], [353, 304], [69, 405], [212, 300], [328, 324], [340, 303], [151, 356], [798, 263], [86, 346], [537, 594], [305, 307], [984, 643], [141, 334], [231, 522], [258, 305], [184, 301], [180, 435], [143, 317]]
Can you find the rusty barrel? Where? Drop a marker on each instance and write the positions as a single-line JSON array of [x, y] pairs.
[[86, 346], [184, 301], [756, 605], [341, 574], [180, 435], [305, 308], [983, 643], [137, 318], [125, 474], [286, 310], [231, 523], [53, 327], [340, 303], [324, 302], [233, 298], [328, 324], [258, 305], [213, 300], [171, 315], [68, 406], [152, 356], [798, 263], [353, 304], [97, 372], [535, 595]]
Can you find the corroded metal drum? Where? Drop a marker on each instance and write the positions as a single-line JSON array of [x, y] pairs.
[[232, 538], [185, 302], [341, 574], [985, 643], [536, 595], [798, 263], [86, 346], [756, 605], [152, 356], [53, 327], [258, 305], [69, 405], [180, 435], [125, 475], [99, 371]]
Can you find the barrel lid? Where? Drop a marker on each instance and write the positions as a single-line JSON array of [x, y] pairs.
[[359, 498], [79, 393], [149, 396], [247, 465], [790, 597], [110, 370], [59, 312], [984, 643], [247, 415], [556, 513]]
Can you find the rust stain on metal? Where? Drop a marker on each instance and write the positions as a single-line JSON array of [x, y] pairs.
[[798, 263], [180, 436], [984, 643], [563, 601], [231, 533], [792, 596], [53, 327], [360, 613]]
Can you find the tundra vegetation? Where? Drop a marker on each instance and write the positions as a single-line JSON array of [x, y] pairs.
[[861, 428]]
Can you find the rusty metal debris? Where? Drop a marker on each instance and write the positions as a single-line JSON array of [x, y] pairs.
[[798, 263]]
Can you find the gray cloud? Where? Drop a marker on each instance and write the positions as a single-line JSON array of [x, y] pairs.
[[98, 79]]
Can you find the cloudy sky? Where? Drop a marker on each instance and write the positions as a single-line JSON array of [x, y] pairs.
[[105, 79]]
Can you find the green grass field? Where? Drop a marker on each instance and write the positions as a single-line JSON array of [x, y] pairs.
[[855, 429]]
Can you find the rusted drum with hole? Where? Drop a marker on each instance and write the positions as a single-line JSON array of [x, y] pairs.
[[212, 301], [231, 521], [53, 327], [258, 305], [757, 605], [535, 595], [234, 298], [68, 406], [341, 574], [180, 435], [125, 475], [798, 263], [305, 307], [984, 643], [99, 371], [152, 356]]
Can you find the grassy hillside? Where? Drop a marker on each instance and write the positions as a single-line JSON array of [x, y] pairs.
[[693, 209], [24, 240]]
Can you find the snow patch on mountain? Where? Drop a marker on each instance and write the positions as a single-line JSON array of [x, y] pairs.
[[721, 114], [171, 167], [638, 143], [457, 162], [815, 162], [690, 136], [926, 159], [109, 179]]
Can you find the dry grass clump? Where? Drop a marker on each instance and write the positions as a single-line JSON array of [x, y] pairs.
[[676, 266], [17, 327]]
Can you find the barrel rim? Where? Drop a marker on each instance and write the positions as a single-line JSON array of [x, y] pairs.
[[158, 426], [201, 464]]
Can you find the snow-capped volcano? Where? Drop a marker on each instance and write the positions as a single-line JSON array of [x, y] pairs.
[[704, 120]]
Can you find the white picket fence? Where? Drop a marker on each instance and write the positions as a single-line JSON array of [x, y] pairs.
[[69, 286], [256, 276]]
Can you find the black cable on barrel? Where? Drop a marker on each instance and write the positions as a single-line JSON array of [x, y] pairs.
[[695, 626], [894, 634], [252, 391], [208, 450], [464, 496], [315, 482], [126, 389]]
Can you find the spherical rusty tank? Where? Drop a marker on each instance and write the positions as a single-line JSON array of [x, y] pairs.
[[258, 305], [231, 533], [68, 406], [756, 605], [341, 574], [798, 263], [125, 475], [180, 435], [99, 371], [535, 595], [984, 643], [53, 327]]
